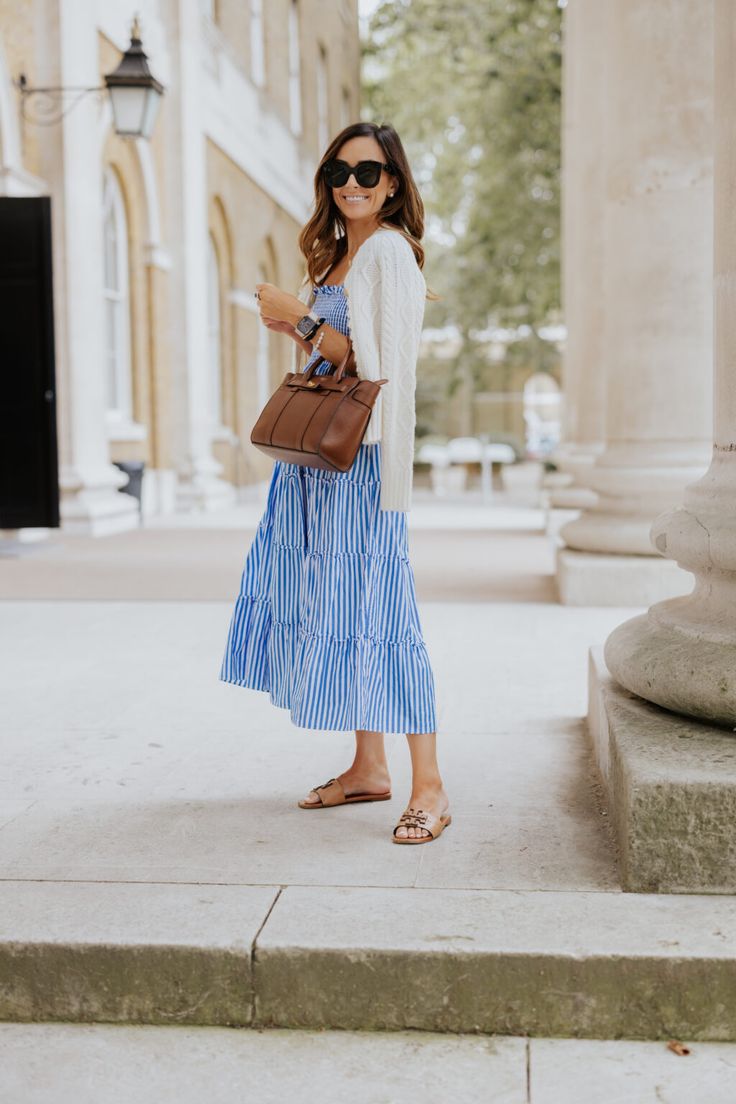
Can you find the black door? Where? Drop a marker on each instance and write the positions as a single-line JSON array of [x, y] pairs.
[[29, 482]]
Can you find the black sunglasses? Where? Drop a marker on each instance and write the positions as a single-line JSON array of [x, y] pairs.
[[367, 173]]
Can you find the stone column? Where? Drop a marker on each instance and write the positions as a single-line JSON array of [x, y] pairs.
[[681, 654], [200, 485], [90, 500], [583, 159], [657, 324]]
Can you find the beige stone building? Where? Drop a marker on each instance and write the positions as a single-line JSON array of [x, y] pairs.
[[158, 244]]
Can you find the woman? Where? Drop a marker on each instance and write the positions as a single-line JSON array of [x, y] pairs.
[[326, 620]]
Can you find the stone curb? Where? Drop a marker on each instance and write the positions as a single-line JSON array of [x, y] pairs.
[[589, 965], [129, 952], [566, 964]]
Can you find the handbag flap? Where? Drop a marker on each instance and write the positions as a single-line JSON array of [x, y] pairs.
[[322, 383]]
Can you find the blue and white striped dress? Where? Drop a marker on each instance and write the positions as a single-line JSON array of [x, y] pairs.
[[326, 620]]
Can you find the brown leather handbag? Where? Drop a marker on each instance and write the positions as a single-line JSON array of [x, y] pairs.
[[318, 420]]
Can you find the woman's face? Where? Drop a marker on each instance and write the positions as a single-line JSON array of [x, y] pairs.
[[355, 202]]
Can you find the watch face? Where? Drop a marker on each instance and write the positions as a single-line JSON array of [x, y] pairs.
[[308, 325]]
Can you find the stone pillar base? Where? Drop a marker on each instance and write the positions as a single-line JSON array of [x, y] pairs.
[[673, 657], [571, 492], [671, 790], [91, 505], [555, 518], [95, 515], [573, 498], [205, 494], [555, 479], [561, 491], [598, 579]]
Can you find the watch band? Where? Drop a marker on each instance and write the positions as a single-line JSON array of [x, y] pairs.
[[308, 325]]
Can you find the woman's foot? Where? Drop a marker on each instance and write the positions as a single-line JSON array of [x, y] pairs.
[[428, 799], [376, 781]]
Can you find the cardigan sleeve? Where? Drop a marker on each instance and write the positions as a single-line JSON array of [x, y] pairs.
[[402, 298]]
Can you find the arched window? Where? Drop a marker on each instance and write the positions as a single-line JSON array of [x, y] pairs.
[[214, 333], [257, 44], [295, 80], [323, 123], [116, 294]]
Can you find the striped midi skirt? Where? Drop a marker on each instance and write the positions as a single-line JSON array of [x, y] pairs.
[[326, 620]]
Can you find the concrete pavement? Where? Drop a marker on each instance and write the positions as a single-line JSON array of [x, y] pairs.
[[87, 1064], [155, 866]]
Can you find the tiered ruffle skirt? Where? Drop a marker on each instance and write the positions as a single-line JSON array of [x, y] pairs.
[[326, 621]]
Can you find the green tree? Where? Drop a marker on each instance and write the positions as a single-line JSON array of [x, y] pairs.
[[473, 87]]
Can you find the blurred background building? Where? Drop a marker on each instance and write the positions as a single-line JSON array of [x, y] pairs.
[[157, 244]]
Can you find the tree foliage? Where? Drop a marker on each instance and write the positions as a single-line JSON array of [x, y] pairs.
[[473, 88]]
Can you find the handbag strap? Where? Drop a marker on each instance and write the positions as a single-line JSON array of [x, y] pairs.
[[345, 367]]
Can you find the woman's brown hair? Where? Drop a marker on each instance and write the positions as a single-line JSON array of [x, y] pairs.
[[323, 240]]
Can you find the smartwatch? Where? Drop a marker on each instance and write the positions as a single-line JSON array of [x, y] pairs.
[[308, 325]]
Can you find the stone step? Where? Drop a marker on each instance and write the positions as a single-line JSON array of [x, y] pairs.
[[116, 1064], [570, 964], [129, 952]]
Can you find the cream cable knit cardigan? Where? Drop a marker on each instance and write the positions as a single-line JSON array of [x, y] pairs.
[[386, 292]]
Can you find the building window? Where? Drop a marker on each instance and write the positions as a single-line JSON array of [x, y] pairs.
[[116, 294], [323, 116], [295, 80], [214, 334], [257, 44], [345, 109]]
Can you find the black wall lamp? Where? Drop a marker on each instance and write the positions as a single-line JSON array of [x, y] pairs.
[[135, 94]]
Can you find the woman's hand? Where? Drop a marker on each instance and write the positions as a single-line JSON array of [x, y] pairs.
[[277, 326], [278, 306]]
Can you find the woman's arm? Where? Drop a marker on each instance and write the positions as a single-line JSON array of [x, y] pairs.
[[333, 346], [307, 346], [281, 312]]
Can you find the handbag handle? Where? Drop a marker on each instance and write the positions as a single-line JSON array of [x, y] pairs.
[[348, 361]]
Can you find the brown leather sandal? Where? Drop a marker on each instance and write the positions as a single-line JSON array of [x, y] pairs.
[[415, 818], [334, 794]]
